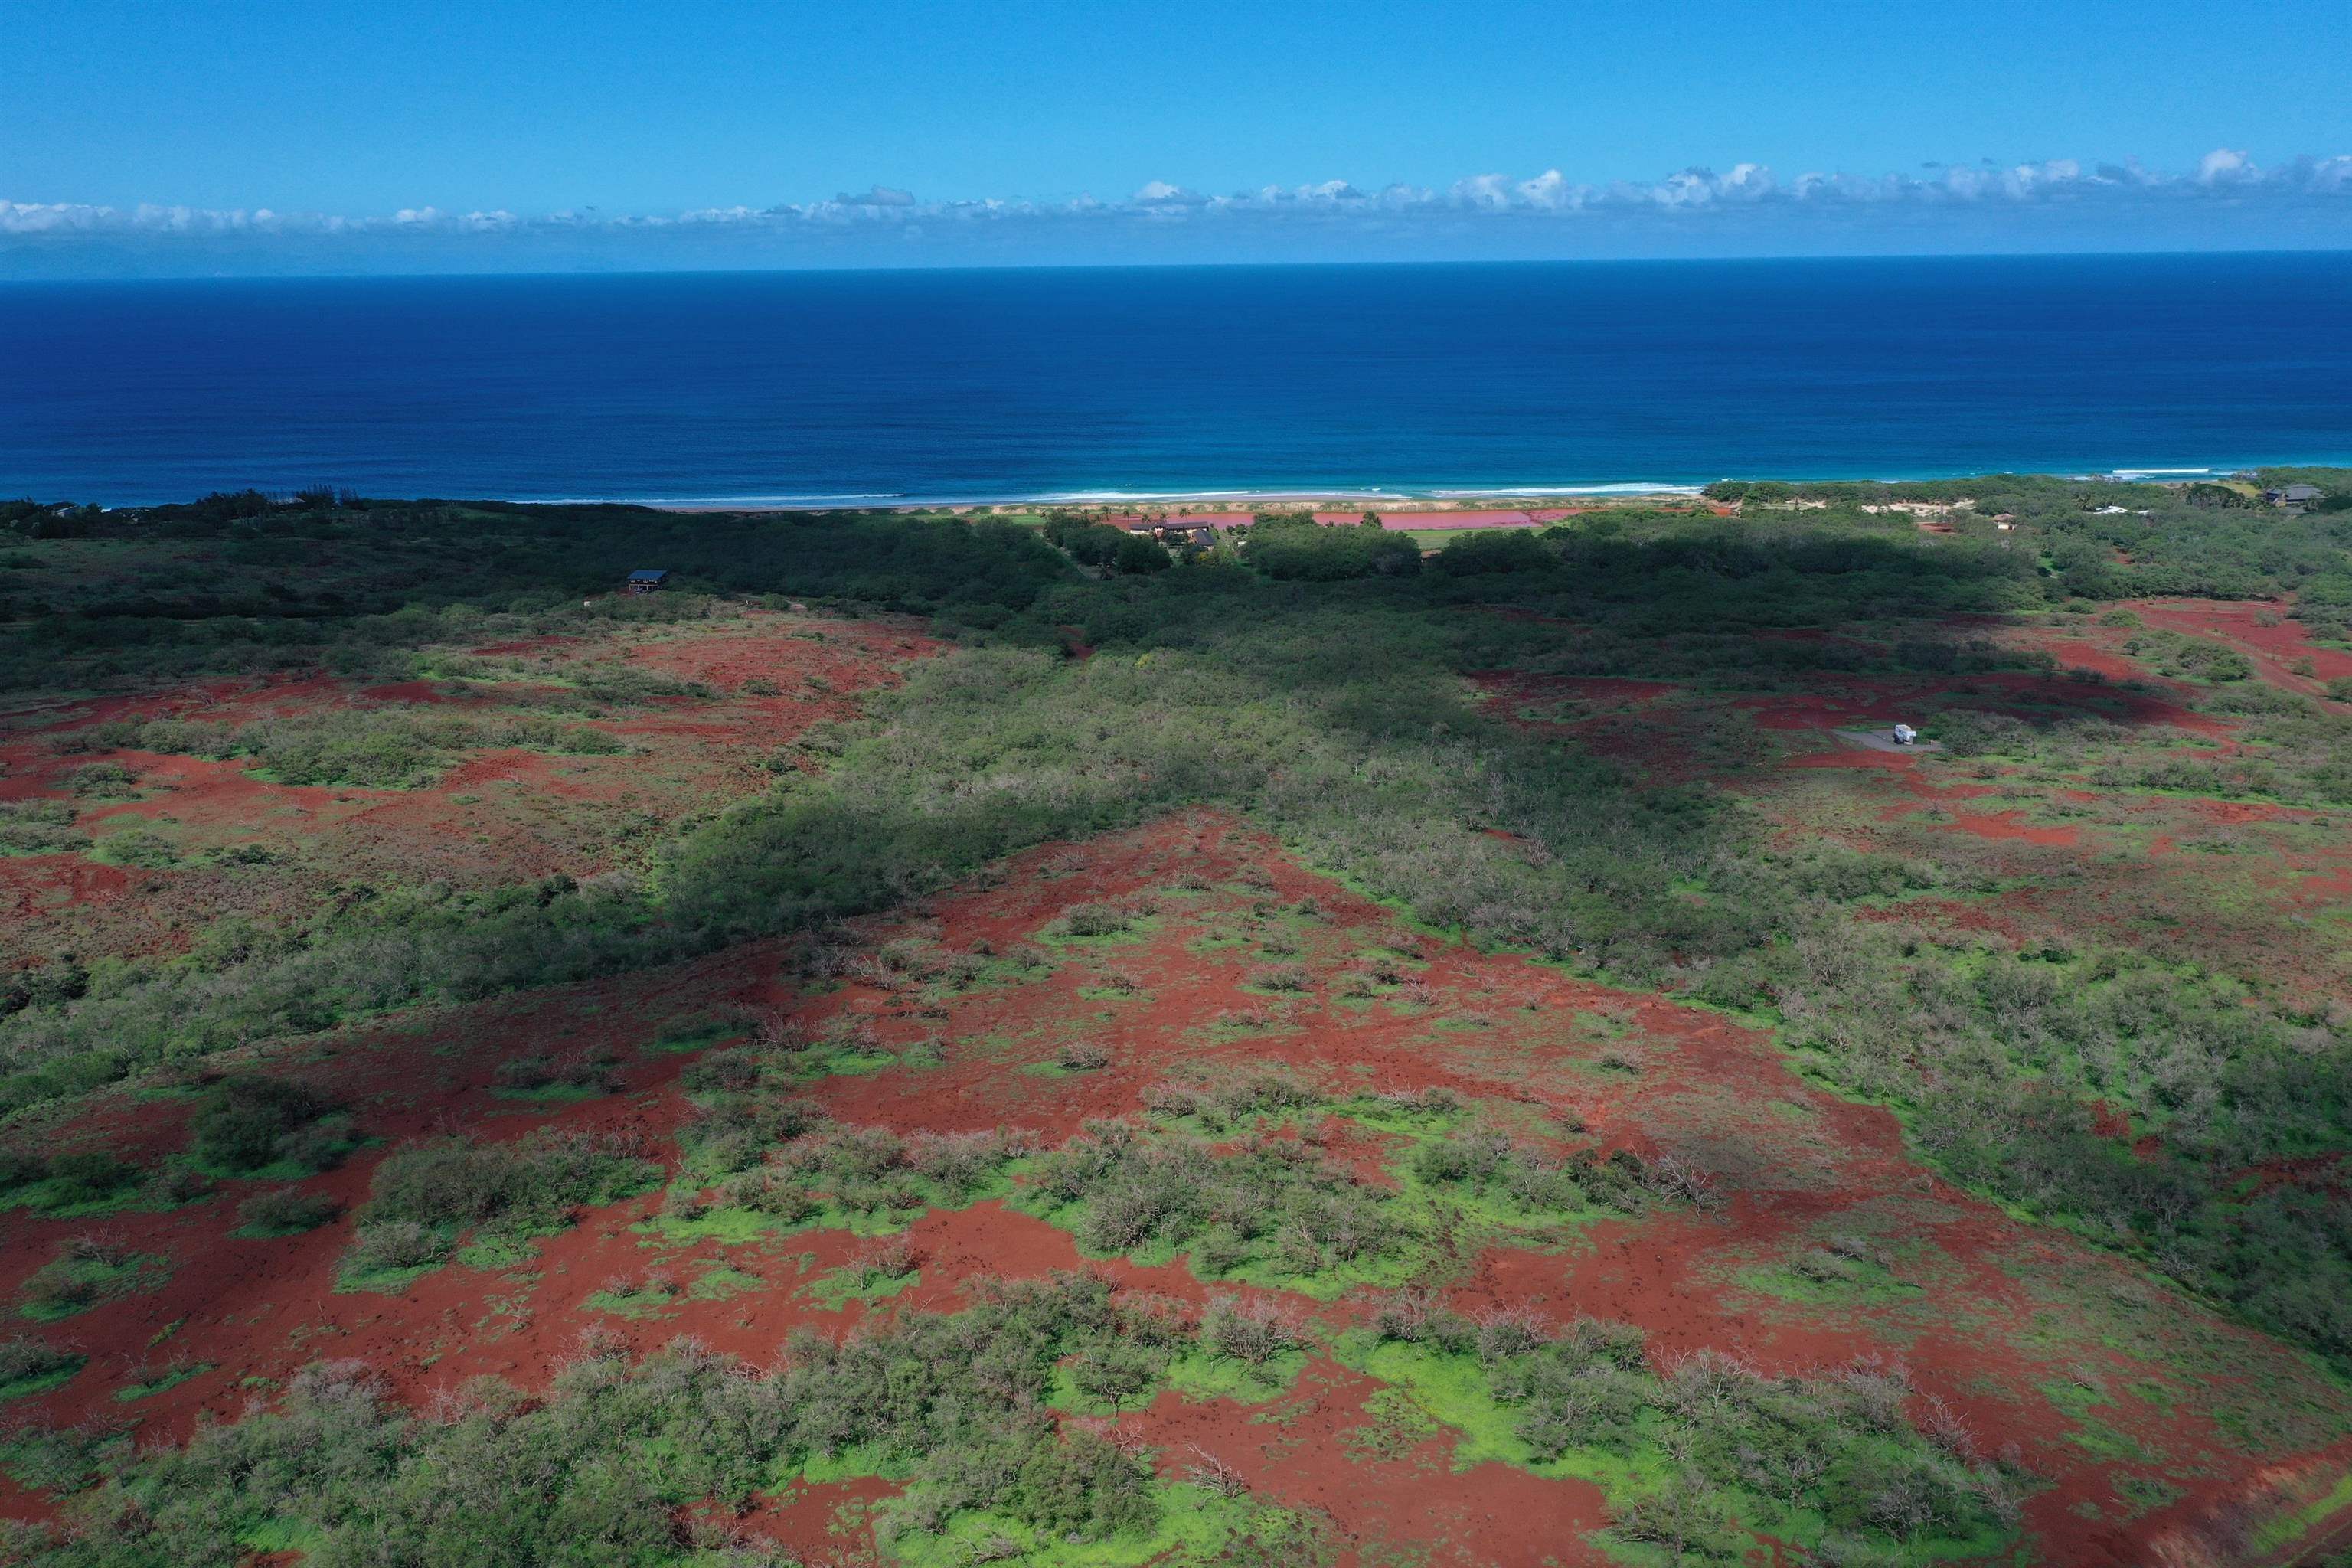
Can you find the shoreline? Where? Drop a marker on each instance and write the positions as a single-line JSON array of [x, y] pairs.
[[1219, 504], [1435, 500], [1243, 500]]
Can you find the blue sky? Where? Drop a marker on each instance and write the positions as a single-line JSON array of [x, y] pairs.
[[343, 137]]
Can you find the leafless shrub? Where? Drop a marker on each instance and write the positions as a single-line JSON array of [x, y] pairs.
[[1671, 1178], [1947, 1429], [1209, 1471], [1256, 1331], [885, 1258], [1876, 1393], [1417, 1102], [854, 1036], [778, 1031], [600, 1341], [1290, 978], [831, 960], [905, 955], [959, 971], [395, 1244], [1410, 1317], [1506, 1331], [1104, 916], [870, 971], [1822, 1266], [1707, 1382], [960, 1162]]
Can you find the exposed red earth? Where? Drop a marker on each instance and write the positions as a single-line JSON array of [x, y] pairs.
[[2260, 629], [2155, 1427], [1989, 1314], [493, 817], [2115, 853]]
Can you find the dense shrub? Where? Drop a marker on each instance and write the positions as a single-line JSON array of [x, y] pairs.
[[1230, 688], [1712, 1443], [1308, 551], [389, 1246], [1494, 550], [286, 1212], [39, 827], [386, 748], [251, 1122], [531, 1183]]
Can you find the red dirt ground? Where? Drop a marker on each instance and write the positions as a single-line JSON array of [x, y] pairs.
[[2150, 898], [494, 818], [1989, 1312], [2257, 628]]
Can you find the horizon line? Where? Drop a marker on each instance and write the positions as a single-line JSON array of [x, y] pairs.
[[1775, 259]]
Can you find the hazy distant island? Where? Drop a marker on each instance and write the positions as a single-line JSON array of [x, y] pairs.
[[1790, 1017]]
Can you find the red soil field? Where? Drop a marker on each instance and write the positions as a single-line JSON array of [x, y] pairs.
[[495, 818], [2278, 646], [1988, 1313]]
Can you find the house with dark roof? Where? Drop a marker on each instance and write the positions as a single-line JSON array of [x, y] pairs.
[[2292, 495], [645, 580]]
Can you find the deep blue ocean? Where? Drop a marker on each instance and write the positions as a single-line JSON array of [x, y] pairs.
[[877, 386]]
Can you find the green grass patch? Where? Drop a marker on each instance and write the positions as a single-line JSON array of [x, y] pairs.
[[169, 1378], [640, 1304], [836, 1287], [2091, 1434], [53, 1377], [697, 1033], [277, 1535], [1394, 1425], [551, 1093], [383, 1281], [2287, 1529], [1200, 1375], [497, 1252], [1859, 1282], [67, 1285], [1196, 1526]]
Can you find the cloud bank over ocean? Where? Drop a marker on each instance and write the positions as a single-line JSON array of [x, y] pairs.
[[2227, 202]]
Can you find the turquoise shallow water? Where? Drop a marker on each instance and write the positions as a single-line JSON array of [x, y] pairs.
[[875, 386]]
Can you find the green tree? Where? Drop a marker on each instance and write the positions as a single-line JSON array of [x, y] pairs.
[[1138, 553]]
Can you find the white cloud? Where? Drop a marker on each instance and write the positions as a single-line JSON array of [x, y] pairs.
[[2222, 165], [1547, 209], [1160, 193]]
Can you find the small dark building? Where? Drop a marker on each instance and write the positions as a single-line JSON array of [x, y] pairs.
[[2292, 495], [646, 580]]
